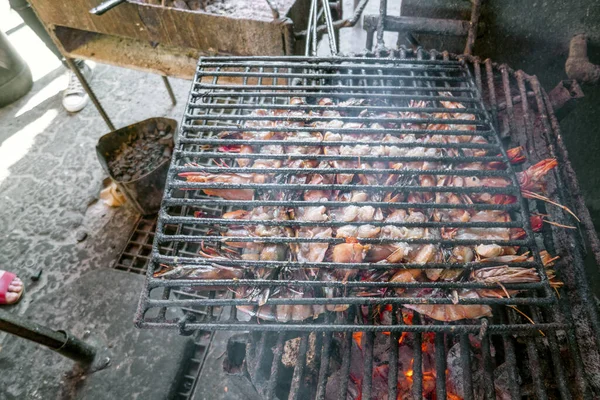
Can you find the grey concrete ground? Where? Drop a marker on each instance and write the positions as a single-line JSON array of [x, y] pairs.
[[49, 184], [50, 193], [98, 307]]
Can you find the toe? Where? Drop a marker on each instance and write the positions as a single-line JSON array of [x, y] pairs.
[[11, 297], [17, 283], [15, 288]]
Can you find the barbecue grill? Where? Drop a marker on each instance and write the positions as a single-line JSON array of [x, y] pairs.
[[540, 343]]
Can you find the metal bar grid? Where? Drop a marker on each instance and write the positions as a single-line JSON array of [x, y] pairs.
[[213, 111], [527, 355], [372, 365], [542, 363], [135, 258]]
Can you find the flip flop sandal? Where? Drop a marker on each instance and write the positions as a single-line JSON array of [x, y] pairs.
[[5, 282]]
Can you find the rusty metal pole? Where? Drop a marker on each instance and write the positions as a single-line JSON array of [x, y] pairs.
[[472, 35], [90, 92], [169, 89], [62, 342]]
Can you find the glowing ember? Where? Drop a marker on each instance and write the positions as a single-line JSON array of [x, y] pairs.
[[409, 373], [357, 336], [402, 337]]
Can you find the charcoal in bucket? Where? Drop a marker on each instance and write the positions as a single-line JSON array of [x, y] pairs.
[[137, 159]]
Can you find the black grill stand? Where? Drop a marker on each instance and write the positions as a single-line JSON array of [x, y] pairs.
[[60, 341]]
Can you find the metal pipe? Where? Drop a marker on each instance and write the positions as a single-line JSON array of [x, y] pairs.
[[342, 23], [273, 8], [90, 92], [330, 29], [436, 26], [169, 89], [309, 28], [106, 6], [578, 64], [60, 341], [472, 35], [381, 24]]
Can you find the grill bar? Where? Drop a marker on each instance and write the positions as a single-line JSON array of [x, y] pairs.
[[368, 364], [417, 366], [520, 329], [351, 300], [345, 369], [291, 118], [267, 240], [441, 285], [308, 90], [274, 203], [277, 352], [210, 141], [296, 171], [488, 375], [324, 368], [190, 260], [440, 365], [183, 220], [452, 66], [465, 348], [383, 188], [299, 370], [236, 128]]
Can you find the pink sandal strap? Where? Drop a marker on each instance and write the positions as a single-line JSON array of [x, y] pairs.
[[5, 281]]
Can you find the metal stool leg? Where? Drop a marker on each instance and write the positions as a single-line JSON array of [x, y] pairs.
[[89, 91], [169, 89]]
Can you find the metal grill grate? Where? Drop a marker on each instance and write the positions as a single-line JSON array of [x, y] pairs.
[[135, 258], [544, 356], [136, 254], [225, 94]]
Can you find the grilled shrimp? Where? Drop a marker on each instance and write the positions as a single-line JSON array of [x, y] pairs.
[[213, 271], [228, 194], [312, 252], [453, 312]]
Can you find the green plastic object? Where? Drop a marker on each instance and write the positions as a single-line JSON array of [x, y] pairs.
[[15, 76]]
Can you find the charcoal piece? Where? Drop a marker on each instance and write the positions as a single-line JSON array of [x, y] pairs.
[[166, 140]]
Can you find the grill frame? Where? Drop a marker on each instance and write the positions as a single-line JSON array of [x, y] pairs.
[[219, 62], [577, 316]]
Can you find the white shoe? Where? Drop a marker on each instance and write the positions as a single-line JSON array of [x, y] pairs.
[[74, 97]]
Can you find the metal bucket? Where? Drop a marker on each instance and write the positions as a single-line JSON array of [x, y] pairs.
[[145, 193]]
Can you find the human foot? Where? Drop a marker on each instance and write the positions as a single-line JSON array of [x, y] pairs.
[[11, 288]]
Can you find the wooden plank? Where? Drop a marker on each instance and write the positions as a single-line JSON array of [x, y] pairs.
[[139, 55], [169, 26]]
